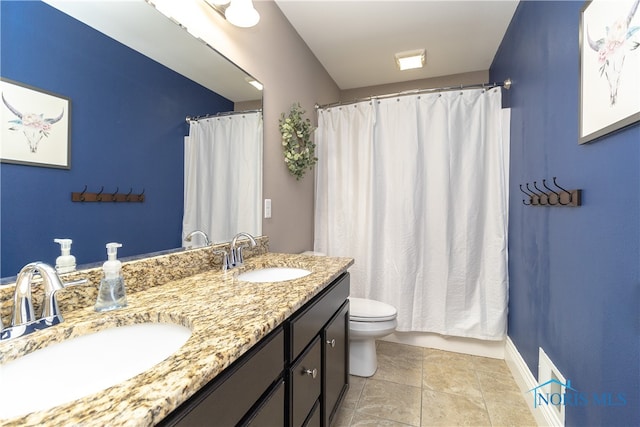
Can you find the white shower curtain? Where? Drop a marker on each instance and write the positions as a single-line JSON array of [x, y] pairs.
[[223, 176], [414, 188]]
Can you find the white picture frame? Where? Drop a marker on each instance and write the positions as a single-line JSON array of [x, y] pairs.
[[35, 126], [609, 67]]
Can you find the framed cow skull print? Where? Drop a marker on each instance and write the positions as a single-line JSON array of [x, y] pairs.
[[609, 67], [35, 126]]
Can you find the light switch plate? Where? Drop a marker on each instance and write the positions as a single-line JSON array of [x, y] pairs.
[[267, 208]]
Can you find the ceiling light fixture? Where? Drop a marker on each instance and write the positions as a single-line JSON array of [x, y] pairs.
[[240, 13], [410, 60], [253, 82]]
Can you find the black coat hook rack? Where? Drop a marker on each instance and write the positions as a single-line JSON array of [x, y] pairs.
[[102, 196], [548, 196]]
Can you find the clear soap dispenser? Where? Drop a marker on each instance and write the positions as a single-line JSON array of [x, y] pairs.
[[111, 295], [66, 262]]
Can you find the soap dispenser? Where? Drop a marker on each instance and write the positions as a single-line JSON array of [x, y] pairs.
[[66, 262], [111, 295]]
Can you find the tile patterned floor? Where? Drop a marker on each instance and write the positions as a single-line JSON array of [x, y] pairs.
[[417, 386]]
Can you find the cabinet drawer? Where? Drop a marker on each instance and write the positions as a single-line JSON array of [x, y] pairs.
[[306, 325], [306, 383], [226, 399]]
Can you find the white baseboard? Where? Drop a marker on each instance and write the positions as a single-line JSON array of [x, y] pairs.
[[493, 349], [526, 381]]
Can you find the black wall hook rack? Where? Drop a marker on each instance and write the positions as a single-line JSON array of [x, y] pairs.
[[102, 196], [548, 196]]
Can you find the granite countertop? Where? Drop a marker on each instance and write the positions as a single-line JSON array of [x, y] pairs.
[[226, 316]]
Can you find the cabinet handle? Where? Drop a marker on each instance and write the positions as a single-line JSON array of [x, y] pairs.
[[332, 342], [313, 372]]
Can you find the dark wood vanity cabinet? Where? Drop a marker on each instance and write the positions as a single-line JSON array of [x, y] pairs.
[[296, 376], [320, 326], [241, 392]]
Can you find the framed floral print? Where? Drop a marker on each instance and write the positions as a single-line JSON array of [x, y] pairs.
[[35, 126], [609, 67]]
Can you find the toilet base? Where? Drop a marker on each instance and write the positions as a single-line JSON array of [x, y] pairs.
[[363, 361]]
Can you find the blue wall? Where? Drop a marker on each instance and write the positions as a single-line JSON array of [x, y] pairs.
[[127, 127], [574, 272]]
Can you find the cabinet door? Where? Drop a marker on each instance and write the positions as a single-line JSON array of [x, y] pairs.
[[271, 413], [306, 383], [335, 362], [314, 417]]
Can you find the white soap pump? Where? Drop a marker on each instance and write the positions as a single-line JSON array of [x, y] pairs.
[[66, 262], [111, 294]]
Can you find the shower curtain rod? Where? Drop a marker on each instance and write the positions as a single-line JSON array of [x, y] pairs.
[[226, 113], [506, 84]]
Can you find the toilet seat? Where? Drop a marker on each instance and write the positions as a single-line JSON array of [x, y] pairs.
[[366, 310]]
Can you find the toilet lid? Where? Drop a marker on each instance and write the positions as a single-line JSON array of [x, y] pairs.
[[368, 310]]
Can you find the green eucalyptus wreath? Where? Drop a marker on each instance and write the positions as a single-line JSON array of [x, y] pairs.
[[299, 150]]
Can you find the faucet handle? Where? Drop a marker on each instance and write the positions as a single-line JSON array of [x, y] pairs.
[[75, 282], [225, 259], [50, 302]]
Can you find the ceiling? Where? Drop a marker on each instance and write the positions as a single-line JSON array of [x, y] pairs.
[[164, 41], [355, 40]]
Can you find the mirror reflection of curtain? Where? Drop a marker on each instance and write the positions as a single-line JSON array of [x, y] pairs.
[[223, 177], [416, 190]]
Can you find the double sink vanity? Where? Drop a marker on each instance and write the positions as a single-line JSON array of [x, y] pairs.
[[263, 344]]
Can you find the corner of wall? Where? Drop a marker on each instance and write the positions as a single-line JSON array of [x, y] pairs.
[[526, 382]]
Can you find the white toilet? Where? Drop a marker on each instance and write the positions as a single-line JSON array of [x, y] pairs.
[[368, 320]]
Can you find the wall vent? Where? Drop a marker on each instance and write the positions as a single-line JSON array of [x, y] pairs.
[[552, 388]]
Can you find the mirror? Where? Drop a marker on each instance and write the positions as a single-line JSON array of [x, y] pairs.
[[125, 133]]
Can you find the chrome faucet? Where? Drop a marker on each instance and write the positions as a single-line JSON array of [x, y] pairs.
[[200, 232], [23, 319], [235, 253]]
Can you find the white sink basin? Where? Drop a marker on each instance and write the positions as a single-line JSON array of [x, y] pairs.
[[77, 367], [273, 274]]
